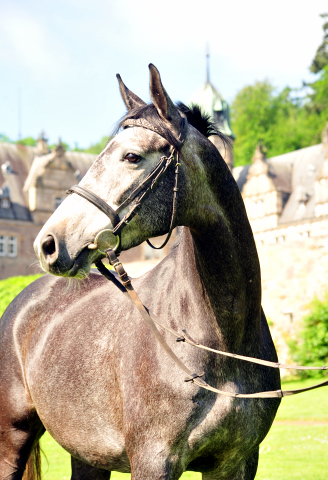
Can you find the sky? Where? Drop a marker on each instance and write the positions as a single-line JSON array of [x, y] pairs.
[[59, 58]]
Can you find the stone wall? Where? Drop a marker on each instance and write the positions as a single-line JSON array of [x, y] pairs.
[[293, 273]]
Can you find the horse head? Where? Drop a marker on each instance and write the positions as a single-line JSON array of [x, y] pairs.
[[146, 147]]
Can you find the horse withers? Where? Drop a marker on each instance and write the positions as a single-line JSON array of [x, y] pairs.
[[79, 361]]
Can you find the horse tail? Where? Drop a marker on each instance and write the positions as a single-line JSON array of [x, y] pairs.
[[33, 466]]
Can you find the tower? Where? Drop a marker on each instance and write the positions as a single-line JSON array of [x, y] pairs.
[[212, 103]]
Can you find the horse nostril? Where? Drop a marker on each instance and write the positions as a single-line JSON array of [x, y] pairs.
[[49, 245]]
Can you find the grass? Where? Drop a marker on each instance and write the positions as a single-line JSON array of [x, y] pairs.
[[297, 444], [11, 287], [295, 448]]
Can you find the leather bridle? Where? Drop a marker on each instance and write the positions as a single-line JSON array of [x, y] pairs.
[[105, 242], [112, 237]]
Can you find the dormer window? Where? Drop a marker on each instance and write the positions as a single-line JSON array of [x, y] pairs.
[[58, 201], [5, 203], [4, 196]]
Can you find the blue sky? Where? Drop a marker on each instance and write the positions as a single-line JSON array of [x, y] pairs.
[[63, 55]]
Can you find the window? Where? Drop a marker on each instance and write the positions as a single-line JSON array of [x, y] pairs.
[[8, 246], [58, 201], [5, 203], [12, 247], [3, 245]]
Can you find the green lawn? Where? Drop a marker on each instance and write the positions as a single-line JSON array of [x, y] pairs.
[[295, 448], [11, 287], [297, 444]]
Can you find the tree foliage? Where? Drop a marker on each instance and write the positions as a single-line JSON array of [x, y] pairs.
[[94, 148], [28, 141], [98, 147], [4, 138], [259, 112], [311, 348], [284, 120], [321, 57]]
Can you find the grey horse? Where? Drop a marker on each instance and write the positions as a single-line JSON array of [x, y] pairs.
[[81, 363]]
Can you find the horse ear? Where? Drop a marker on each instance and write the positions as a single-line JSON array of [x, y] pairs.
[[164, 105], [129, 98]]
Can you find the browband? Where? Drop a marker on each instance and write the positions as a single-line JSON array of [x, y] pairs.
[[140, 122]]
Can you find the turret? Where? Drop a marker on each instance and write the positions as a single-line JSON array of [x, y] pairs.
[[212, 103]]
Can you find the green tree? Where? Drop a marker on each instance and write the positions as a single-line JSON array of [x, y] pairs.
[[260, 112], [321, 57], [97, 148], [284, 120], [4, 138], [318, 98], [311, 347], [28, 141]]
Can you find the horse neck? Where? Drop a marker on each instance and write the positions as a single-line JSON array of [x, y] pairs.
[[220, 251]]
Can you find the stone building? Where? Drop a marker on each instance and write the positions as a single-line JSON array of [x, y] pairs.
[[33, 182], [286, 199]]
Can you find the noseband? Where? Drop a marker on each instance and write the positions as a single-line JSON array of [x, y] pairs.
[[111, 238]]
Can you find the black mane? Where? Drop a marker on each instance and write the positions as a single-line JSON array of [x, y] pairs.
[[198, 119]]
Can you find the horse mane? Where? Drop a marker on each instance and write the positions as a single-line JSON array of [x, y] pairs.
[[195, 116], [201, 121]]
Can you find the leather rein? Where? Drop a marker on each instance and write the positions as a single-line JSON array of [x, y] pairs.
[[108, 242]]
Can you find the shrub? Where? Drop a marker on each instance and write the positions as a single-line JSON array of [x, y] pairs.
[[312, 346]]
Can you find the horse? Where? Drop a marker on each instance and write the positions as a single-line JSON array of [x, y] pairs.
[[78, 360]]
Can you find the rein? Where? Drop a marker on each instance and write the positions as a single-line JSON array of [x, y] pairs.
[[105, 242], [149, 318]]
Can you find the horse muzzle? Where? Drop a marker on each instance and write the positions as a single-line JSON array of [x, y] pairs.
[[55, 259]]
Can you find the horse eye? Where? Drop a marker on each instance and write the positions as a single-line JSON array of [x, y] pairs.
[[132, 157]]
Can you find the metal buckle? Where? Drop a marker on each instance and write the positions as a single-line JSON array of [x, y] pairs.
[[106, 239]]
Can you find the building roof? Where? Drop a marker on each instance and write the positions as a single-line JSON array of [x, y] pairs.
[[293, 173], [212, 103], [20, 163], [304, 166], [80, 162], [15, 161]]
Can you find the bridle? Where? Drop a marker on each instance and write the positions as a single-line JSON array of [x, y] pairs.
[[111, 238], [108, 242]]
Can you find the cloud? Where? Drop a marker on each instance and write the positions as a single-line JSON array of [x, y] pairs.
[[25, 41]]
